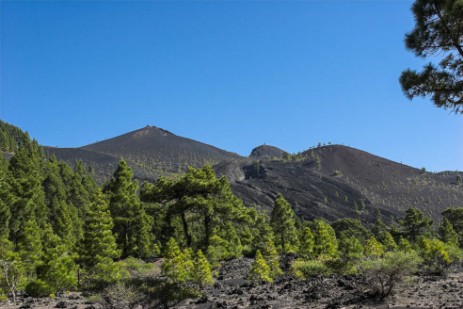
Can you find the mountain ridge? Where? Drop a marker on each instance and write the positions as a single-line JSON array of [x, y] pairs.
[[331, 182]]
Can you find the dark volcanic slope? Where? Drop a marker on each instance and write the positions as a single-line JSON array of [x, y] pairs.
[[266, 152], [312, 195], [150, 151], [345, 178], [392, 185]]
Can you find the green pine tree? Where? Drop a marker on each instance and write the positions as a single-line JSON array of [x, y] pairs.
[[389, 242], [234, 248], [270, 255], [6, 199], [260, 271], [404, 245], [307, 247], [28, 203], [217, 250], [326, 243], [98, 248], [374, 248], [284, 226], [59, 267], [128, 213], [447, 232], [350, 248], [202, 270], [262, 232], [177, 265], [414, 224], [30, 248]]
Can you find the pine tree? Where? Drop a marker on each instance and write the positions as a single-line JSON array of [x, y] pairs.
[[217, 250], [234, 248], [350, 248], [129, 217], [351, 227], [374, 248], [437, 31], [30, 248], [202, 271], [414, 224], [307, 247], [5, 199], [389, 242], [177, 265], [260, 271], [447, 232], [98, 248], [326, 243], [60, 213], [270, 255], [198, 203], [262, 232], [59, 268], [28, 202], [284, 226], [404, 245]]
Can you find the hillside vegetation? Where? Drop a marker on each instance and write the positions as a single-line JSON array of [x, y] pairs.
[[60, 231]]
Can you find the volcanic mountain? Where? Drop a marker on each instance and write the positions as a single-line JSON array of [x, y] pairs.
[[331, 181], [150, 151], [337, 181]]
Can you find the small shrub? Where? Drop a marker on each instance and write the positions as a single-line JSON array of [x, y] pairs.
[[132, 267], [308, 269], [121, 296], [38, 288], [383, 275]]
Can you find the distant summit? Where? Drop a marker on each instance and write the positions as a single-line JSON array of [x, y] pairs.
[[266, 152], [150, 152]]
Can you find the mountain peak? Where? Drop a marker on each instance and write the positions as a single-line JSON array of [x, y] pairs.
[[151, 130], [267, 152]]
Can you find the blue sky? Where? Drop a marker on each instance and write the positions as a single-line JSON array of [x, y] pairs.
[[234, 74]]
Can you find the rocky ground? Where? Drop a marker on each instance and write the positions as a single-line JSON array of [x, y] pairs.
[[232, 290]]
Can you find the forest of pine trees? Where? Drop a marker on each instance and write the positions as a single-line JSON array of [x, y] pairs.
[[60, 231]]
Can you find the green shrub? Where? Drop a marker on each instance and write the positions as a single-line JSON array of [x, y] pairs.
[[38, 288], [133, 267], [383, 275], [307, 269], [120, 296], [438, 256]]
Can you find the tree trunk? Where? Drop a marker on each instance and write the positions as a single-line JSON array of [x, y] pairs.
[[185, 229], [207, 227]]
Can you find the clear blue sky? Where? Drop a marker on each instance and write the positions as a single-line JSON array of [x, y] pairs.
[[232, 74]]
